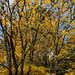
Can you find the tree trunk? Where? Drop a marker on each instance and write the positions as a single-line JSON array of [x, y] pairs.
[[8, 53], [16, 70], [56, 65], [22, 69], [10, 72], [10, 66], [46, 60], [51, 66], [9, 62]]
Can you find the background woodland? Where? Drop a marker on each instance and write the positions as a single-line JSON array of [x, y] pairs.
[[37, 37]]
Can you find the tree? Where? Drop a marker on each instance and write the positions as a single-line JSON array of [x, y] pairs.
[[34, 29]]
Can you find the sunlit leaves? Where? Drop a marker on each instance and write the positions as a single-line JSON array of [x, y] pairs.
[[42, 28], [22, 13], [37, 1], [73, 0]]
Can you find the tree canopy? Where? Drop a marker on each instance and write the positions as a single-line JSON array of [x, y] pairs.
[[37, 37]]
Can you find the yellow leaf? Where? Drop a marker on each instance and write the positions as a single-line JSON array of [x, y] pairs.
[[37, 1], [17, 19], [6, 22], [22, 13], [73, 23], [73, 0], [20, 3], [68, 57], [69, 20]]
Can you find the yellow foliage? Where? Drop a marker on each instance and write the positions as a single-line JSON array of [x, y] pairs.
[[63, 32], [73, 23], [73, 0], [47, 36], [36, 1], [36, 70], [70, 73], [22, 13], [20, 3]]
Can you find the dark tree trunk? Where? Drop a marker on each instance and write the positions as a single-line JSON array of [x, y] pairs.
[[8, 53], [10, 66], [46, 60], [10, 72], [16, 70], [13, 56], [22, 68], [51, 65]]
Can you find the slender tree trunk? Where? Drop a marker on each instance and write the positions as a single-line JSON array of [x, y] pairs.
[[9, 63], [56, 65], [16, 70], [22, 65], [13, 56], [46, 60], [10, 66], [8, 53], [51, 66], [22, 68], [30, 57], [10, 72]]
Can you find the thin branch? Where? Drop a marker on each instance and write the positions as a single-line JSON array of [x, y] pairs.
[[3, 65]]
